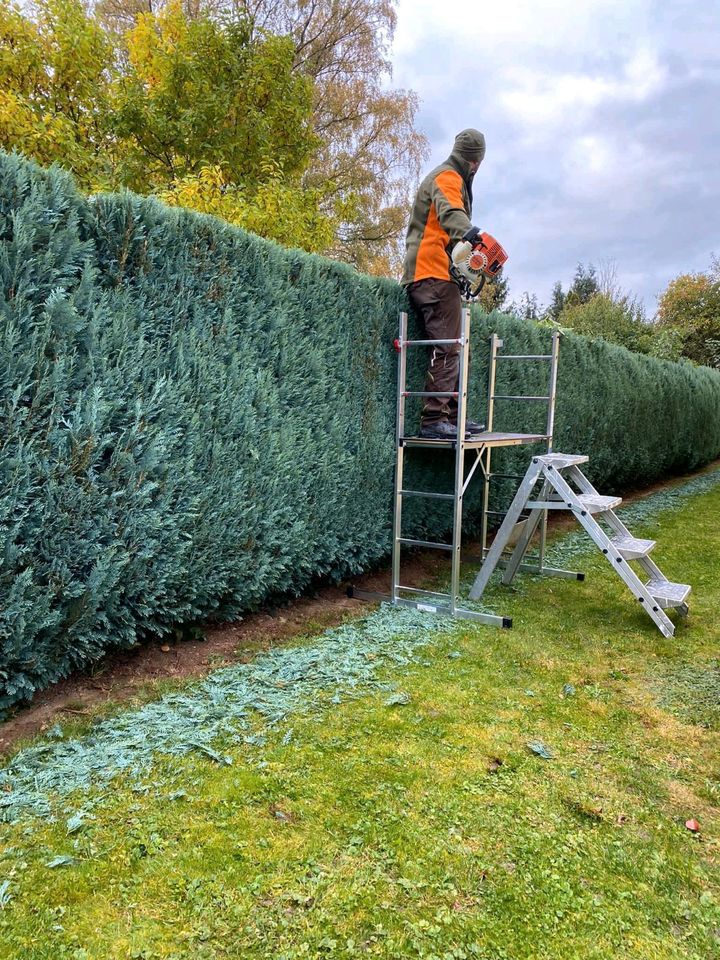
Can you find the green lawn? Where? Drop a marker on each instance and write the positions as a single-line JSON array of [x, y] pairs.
[[418, 823]]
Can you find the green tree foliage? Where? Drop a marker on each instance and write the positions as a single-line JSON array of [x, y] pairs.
[[206, 113], [368, 153], [273, 209], [194, 420], [617, 321], [528, 307], [196, 94], [556, 303], [584, 286], [494, 294], [54, 102], [597, 307], [689, 308], [218, 120]]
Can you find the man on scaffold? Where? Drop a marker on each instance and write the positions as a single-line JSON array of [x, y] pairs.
[[440, 219]]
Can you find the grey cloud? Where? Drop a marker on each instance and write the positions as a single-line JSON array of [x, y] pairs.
[[657, 219]]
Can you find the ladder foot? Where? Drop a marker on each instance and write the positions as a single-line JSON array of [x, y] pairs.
[[507, 623]]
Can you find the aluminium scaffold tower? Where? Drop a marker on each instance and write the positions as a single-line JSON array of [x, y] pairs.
[[481, 446]]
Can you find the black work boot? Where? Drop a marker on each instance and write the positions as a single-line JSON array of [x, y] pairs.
[[472, 426], [442, 430]]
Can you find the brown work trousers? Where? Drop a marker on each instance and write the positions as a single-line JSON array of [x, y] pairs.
[[438, 304]]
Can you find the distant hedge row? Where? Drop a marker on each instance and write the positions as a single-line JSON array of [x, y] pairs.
[[195, 420]]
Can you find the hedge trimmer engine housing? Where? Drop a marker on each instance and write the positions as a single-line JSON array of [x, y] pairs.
[[475, 260]]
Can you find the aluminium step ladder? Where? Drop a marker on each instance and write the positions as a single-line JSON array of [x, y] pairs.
[[565, 487], [481, 445]]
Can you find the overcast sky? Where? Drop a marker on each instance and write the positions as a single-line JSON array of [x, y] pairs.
[[602, 120]]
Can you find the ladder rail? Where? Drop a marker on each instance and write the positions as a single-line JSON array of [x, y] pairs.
[[503, 396], [427, 544], [428, 343], [525, 356], [399, 458], [501, 537], [552, 387], [471, 472], [431, 393], [613, 556], [460, 460], [495, 344], [531, 525], [550, 428], [426, 493], [615, 523]]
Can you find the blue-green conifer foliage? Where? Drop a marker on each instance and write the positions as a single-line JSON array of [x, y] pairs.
[[196, 421]]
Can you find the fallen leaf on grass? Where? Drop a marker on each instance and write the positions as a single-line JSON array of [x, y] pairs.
[[539, 748], [398, 699], [255, 739], [213, 754], [75, 823], [62, 861], [299, 900], [5, 897], [282, 815], [588, 811]]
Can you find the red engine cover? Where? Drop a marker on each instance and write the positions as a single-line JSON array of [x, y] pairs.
[[493, 252]]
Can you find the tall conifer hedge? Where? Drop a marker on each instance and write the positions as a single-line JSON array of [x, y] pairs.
[[195, 420]]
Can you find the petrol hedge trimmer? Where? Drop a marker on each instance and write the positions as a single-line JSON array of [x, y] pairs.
[[476, 258]]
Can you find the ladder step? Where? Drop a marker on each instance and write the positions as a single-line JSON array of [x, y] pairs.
[[503, 396], [424, 593], [524, 356], [423, 493], [562, 460], [594, 503], [430, 393], [425, 543], [668, 594], [431, 343], [631, 548]]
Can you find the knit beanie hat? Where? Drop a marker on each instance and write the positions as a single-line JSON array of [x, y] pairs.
[[470, 144]]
